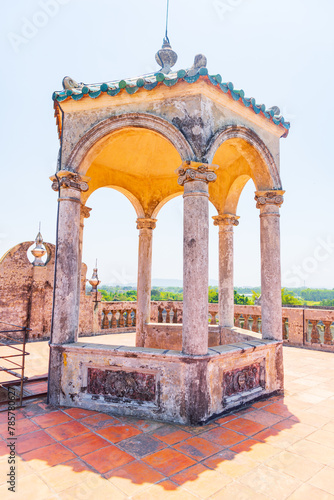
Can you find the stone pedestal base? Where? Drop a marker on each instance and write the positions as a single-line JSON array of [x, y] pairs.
[[167, 385]]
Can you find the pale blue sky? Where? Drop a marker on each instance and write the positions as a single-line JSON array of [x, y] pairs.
[[279, 51]]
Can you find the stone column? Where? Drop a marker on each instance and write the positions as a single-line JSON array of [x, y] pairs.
[[84, 214], [226, 222], [269, 203], [145, 226], [195, 178], [68, 264]]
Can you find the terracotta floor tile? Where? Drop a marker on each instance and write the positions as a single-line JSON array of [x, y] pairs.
[[261, 404], [134, 477], [291, 425], [197, 448], [282, 439], [116, 433], [33, 440], [168, 461], [238, 491], [99, 421], [223, 420], [27, 489], [264, 417], [244, 426], [166, 490], [141, 445], [322, 437], [143, 425], [67, 430], [3, 448], [171, 435], [62, 477], [312, 419], [294, 465], [314, 451], [223, 437], [22, 468], [308, 492], [329, 427], [24, 425], [93, 488], [107, 459], [86, 443], [79, 412], [50, 419], [322, 410], [42, 458], [255, 450], [274, 484], [201, 481], [36, 408], [197, 429], [324, 480], [231, 464], [278, 409]]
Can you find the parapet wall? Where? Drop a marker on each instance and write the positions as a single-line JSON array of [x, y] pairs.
[[26, 293], [166, 384]]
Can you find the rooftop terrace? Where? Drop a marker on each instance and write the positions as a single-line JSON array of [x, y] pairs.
[[280, 448]]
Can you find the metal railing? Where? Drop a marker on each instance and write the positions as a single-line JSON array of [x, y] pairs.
[[11, 344]]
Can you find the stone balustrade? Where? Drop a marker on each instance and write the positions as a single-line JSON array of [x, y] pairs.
[[300, 327], [118, 315]]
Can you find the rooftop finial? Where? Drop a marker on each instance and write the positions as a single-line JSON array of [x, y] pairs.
[[94, 281], [166, 33], [166, 57], [39, 250]]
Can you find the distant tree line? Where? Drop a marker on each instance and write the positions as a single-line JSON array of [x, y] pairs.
[[294, 296]]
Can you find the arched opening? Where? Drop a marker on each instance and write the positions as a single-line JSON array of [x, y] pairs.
[[240, 156], [111, 237]]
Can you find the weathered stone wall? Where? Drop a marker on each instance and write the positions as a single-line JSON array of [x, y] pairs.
[[26, 293]]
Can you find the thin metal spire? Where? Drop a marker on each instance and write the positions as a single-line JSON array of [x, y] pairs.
[[167, 12]]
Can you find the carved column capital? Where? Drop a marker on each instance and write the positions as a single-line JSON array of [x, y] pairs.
[[146, 223], [195, 171], [272, 197], [226, 220], [85, 212], [71, 180]]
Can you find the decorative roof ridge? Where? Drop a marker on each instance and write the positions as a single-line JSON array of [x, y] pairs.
[[152, 80]]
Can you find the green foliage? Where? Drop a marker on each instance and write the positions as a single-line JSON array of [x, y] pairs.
[[213, 295], [289, 299], [240, 299], [327, 303], [295, 296], [317, 294]]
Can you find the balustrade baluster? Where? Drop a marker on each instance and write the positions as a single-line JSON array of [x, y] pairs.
[[113, 319], [160, 317], [175, 315], [246, 322], [128, 318], [105, 323], [315, 337], [121, 319], [284, 329], [237, 320], [255, 325], [167, 315], [328, 334]]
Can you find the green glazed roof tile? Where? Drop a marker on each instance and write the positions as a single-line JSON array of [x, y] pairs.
[[150, 81]]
